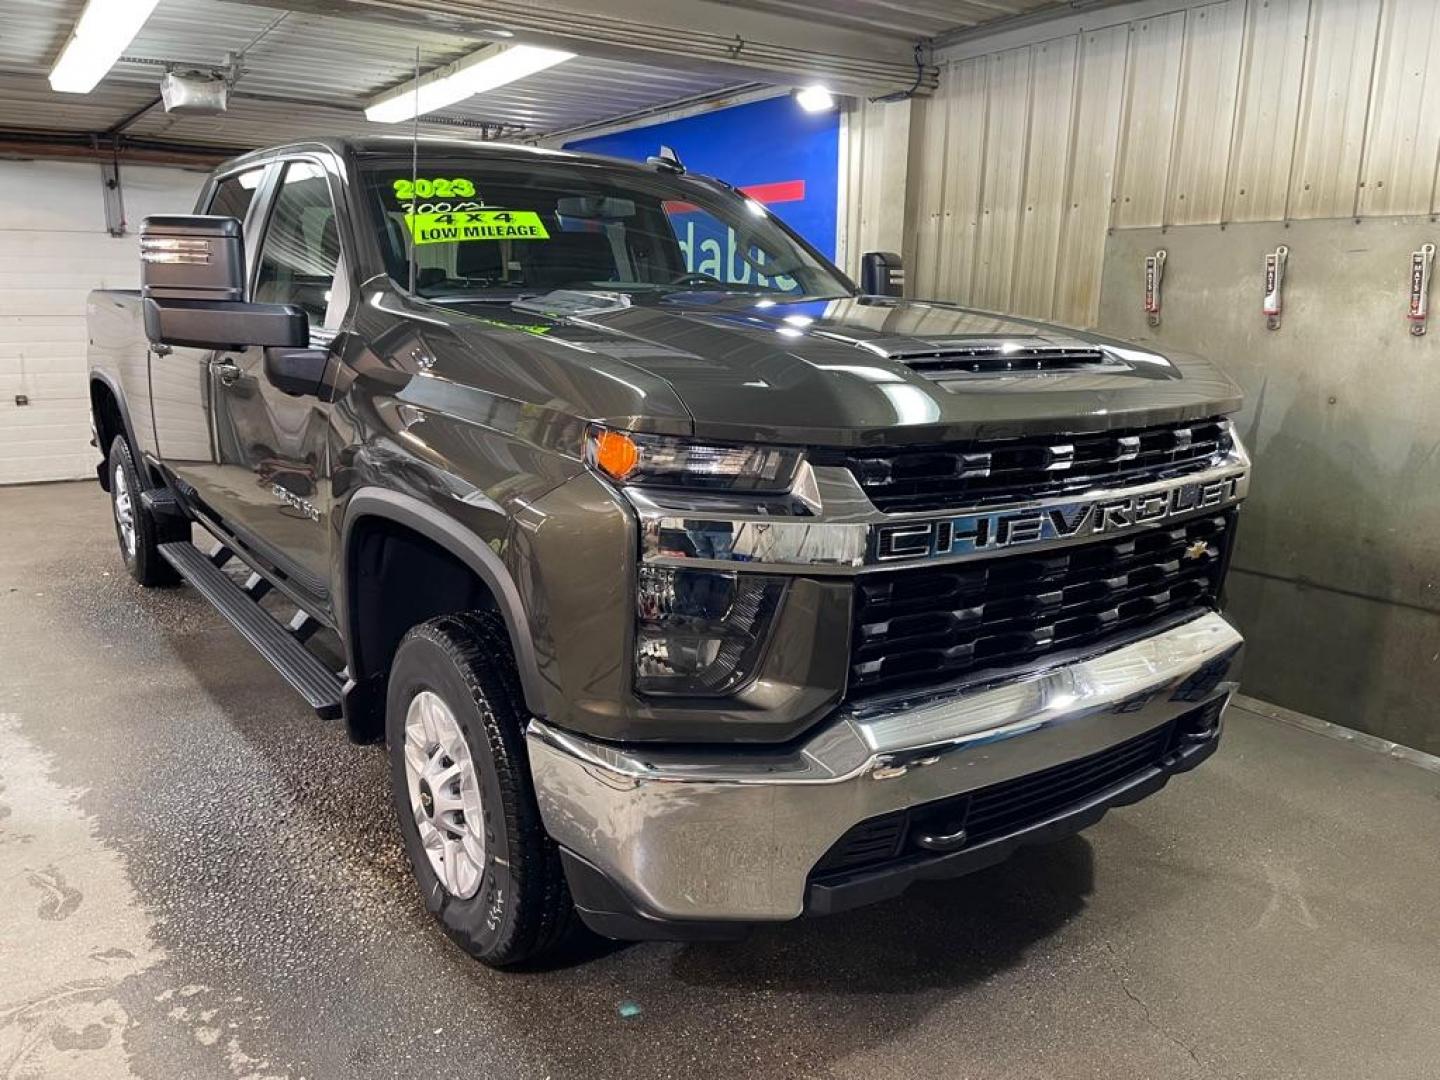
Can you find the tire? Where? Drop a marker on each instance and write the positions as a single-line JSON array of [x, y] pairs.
[[499, 891], [135, 529]]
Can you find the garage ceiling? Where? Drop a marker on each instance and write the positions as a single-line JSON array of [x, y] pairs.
[[912, 20], [304, 69]]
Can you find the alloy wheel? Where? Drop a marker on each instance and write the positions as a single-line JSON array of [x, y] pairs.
[[444, 791], [124, 510]]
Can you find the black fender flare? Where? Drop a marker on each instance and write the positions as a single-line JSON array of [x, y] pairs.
[[108, 381], [406, 510]]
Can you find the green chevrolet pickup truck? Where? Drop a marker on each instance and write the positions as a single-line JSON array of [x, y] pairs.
[[690, 586]]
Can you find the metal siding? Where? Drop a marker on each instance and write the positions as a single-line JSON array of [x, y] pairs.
[[34, 30], [1213, 39], [1099, 98], [1283, 108], [1269, 109], [871, 214], [290, 59], [1151, 98], [1335, 101], [911, 20], [926, 209], [1053, 71], [964, 164], [1401, 148], [1006, 137]]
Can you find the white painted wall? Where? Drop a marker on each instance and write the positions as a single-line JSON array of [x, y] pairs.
[[53, 250]]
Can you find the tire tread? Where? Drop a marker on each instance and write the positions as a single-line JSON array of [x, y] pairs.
[[149, 567], [478, 646]]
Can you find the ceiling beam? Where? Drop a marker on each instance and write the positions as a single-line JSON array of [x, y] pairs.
[[81, 146], [696, 35]]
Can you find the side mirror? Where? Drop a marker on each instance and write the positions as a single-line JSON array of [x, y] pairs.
[[882, 274], [302, 371], [192, 284]]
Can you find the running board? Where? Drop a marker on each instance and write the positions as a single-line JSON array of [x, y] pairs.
[[316, 683]]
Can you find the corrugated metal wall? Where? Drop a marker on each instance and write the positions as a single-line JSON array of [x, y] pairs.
[[1054, 158], [53, 250], [1242, 110], [873, 180]]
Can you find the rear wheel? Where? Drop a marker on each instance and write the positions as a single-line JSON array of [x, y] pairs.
[[134, 527], [460, 780]]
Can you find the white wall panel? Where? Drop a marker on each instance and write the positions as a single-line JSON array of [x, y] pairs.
[[53, 250]]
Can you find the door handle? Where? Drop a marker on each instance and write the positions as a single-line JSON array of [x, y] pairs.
[[227, 371]]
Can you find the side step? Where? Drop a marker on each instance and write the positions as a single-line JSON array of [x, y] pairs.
[[316, 683]]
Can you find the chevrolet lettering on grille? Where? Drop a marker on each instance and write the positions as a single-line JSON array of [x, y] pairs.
[[1007, 529]]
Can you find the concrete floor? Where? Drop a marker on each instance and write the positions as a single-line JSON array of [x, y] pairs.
[[200, 879]]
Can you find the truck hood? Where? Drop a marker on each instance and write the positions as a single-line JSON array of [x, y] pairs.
[[861, 371]]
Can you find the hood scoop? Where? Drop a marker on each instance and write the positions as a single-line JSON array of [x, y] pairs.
[[989, 357], [572, 303]]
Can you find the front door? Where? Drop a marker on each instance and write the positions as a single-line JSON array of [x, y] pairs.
[[182, 379], [273, 448]]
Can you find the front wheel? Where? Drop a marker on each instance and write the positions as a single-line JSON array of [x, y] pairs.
[[134, 527], [460, 780]]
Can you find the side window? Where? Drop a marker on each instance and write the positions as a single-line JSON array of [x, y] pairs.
[[234, 194], [301, 251]]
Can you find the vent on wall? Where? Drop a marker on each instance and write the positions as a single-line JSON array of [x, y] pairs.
[[1004, 358]]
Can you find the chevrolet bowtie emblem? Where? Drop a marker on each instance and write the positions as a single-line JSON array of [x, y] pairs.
[[1197, 550]]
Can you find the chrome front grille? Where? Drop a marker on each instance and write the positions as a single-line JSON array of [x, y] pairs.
[[984, 473], [927, 626]]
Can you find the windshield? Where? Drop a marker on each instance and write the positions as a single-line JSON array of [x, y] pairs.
[[501, 228]]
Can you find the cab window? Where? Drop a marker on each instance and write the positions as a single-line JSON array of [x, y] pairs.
[[234, 194], [300, 257]]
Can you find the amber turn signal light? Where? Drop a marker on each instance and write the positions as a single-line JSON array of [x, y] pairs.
[[616, 454]]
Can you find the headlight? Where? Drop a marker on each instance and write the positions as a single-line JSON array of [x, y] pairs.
[[661, 461], [700, 632]]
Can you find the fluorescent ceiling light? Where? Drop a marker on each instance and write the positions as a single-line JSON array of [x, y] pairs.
[[492, 66], [815, 99], [104, 31]]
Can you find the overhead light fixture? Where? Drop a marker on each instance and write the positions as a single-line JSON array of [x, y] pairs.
[[102, 33], [492, 66], [815, 99]]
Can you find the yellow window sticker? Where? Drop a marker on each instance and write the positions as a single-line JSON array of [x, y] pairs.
[[461, 225], [434, 187]]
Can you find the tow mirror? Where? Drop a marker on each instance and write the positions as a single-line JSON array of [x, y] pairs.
[[192, 284], [882, 274], [302, 371]]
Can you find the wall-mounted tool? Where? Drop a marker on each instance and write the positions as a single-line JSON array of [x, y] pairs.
[[1154, 274], [1420, 263], [1275, 286]]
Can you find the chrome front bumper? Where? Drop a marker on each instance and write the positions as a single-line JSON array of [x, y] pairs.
[[720, 835]]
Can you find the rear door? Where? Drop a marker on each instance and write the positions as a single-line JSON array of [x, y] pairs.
[[182, 383], [274, 449]]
